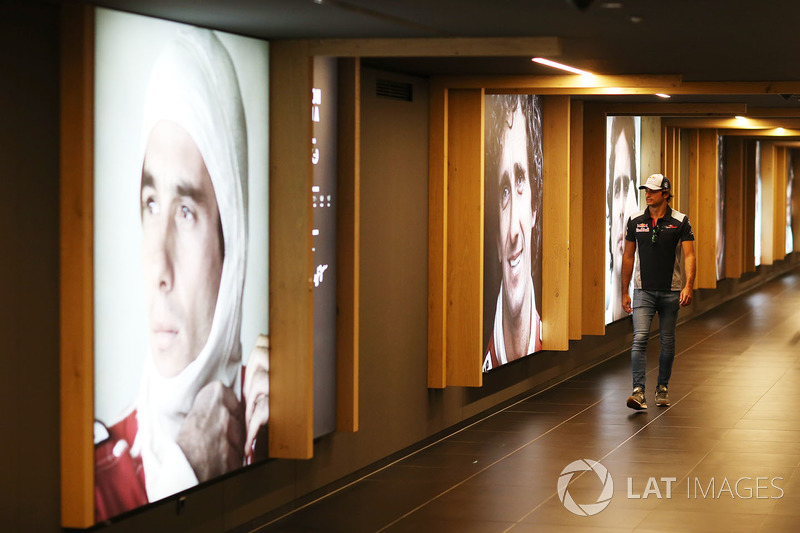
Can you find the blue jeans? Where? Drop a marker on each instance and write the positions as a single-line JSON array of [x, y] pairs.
[[645, 305]]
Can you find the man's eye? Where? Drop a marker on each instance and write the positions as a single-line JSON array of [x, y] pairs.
[[151, 206], [186, 213], [520, 182], [504, 196]]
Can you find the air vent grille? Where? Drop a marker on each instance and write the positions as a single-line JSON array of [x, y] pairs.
[[394, 90]]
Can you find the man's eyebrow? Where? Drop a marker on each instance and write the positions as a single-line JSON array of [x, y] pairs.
[[192, 192], [147, 179]]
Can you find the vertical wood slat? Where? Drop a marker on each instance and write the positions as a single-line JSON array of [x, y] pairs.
[[348, 238], [693, 135], [465, 211], [768, 155], [576, 220], [290, 223], [672, 160], [437, 238], [779, 231], [555, 222], [734, 208], [750, 205], [594, 213], [76, 255], [704, 222]]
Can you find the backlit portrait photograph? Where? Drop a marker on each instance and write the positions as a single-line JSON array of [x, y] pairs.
[[512, 228], [622, 201], [181, 257]]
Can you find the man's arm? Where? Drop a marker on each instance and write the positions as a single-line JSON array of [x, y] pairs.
[[690, 267], [627, 272]]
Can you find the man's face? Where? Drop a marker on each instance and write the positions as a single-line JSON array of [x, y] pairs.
[[623, 202], [181, 248], [654, 198], [516, 215]]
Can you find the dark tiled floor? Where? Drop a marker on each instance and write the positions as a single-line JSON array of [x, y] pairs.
[[735, 418]]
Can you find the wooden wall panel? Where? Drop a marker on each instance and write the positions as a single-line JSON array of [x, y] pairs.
[[734, 208], [671, 160], [768, 156], [779, 231], [555, 222], [693, 146], [576, 220], [465, 210], [437, 239], [76, 254], [348, 232], [703, 198], [594, 219], [750, 205], [290, 258], [650, 150]]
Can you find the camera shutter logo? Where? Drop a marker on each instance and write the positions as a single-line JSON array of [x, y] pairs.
[[587, 509]]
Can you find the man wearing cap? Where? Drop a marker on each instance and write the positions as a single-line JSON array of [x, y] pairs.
[[656, 240]]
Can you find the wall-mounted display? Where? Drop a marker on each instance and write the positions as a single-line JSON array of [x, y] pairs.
[[789, 214], [512, 228], [721, 209], [323, 201], [622, 201], [180, 257]]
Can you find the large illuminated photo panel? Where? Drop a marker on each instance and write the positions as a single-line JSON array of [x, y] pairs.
[[512, 324], [622, 201], [721, 179], [789, 192], [180, 257]]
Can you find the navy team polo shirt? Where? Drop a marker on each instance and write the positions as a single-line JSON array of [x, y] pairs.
[[657, 266]]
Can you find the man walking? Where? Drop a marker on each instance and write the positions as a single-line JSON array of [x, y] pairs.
[[655, 240]]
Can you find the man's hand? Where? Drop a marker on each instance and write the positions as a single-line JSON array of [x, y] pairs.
[[686, 296], [626, 303], [212, 436], [256, 392]]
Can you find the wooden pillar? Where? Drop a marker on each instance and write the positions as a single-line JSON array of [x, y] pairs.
[[555, 222], [594, 212], [77, 265], [291, 304], [703, 164], [464, 320], [576, 220], [768, 184], [735, 238]]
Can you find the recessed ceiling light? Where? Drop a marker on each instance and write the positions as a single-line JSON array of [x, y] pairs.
[[740, 117], [662, 95], [780, 131], [611, 5], [547, 62]]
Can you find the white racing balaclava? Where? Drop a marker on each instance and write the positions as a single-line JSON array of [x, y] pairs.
[[194, 85]]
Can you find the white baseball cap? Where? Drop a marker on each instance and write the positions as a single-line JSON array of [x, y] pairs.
[[657, 182]]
